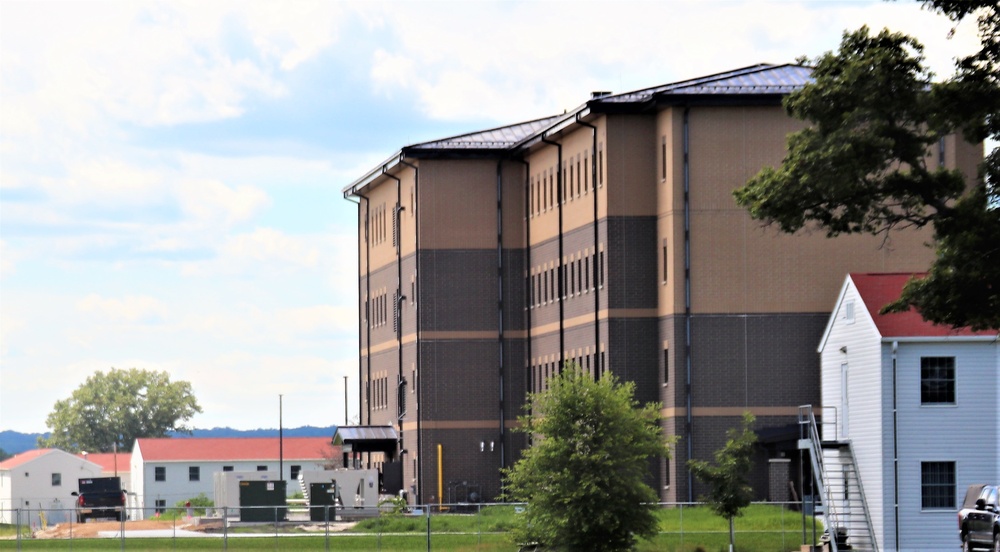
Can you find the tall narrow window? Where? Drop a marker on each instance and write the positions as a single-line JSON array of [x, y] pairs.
[[666, 366], [600, 164], [664, 261], [586, 273], [600, 271], [160, 473], [663, 158], [194, 473]]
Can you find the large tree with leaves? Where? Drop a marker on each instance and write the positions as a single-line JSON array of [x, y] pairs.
[[862, 165], [583, 478], [113, 409]]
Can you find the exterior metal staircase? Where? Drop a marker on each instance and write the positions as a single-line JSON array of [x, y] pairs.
[[835, 471], [304, 488]]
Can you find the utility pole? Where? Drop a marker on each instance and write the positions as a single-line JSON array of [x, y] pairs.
[[281, 442]]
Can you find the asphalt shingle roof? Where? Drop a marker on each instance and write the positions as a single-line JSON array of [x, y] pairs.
[[220, 449]]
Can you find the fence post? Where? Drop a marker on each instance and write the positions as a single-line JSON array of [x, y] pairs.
[[17, 526], [225, 528], [428, 530]]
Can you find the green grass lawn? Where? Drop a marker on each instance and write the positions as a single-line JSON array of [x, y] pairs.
[[763, 528]]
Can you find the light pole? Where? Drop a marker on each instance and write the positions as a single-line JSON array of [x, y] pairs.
[[346, 422], [281, 442]]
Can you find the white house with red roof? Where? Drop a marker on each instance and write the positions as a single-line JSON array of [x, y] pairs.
[[41, 481], [918, 404], [171, 470]]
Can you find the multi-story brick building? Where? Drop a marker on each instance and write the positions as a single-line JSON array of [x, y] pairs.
[[607, 236]]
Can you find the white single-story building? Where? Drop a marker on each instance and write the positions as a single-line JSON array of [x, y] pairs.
[[918, 404], [40, 483], [169, 471]]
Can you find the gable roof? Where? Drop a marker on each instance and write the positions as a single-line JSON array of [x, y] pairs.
[[109, 461], [878, 290], [29, 456], [222, 449], [23, 458]]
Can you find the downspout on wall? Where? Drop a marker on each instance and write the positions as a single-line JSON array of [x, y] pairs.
[[597, 237], [500, 306], [688, 429], [416, 318], [400, 381], [561, 290], [361, 377], [895, 449]]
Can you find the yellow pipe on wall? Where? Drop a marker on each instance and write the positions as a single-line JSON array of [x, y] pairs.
[[440, 476]]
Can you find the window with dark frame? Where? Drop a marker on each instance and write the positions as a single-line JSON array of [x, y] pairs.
[[161, 505], [294, 473], [160, 473], [57, 480], [194, 473], [261, 468], [666, 366], [937, 380], [227, 468], [937, 485]]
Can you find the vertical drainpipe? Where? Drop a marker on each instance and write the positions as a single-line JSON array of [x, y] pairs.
[[416, 318], [687, 294], [594, 268], [500, 303], [527, 276], [559, 272], [397, 237], [895, 449], [367, 392]]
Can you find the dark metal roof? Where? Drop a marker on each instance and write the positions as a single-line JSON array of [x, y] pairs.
[[757, 84], [754, 80], [351, 434], [494, 138]]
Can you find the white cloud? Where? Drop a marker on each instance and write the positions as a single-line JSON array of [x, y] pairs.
[[269, 245], [208, 200], [132, 309]]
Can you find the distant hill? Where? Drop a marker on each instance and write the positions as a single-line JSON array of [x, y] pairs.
[[14, 442]]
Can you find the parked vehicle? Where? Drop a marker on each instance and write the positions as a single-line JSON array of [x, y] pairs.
[[100, 497], [979, 518]]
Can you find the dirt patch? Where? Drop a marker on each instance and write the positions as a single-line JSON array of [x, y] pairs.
[[91, 530]]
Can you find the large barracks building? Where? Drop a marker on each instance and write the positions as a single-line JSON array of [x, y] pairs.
[[607, 236]]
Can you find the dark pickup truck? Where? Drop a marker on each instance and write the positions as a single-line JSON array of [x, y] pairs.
[[100, 497], [979, 518]]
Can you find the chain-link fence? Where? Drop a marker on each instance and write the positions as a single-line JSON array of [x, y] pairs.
[[683, 527]]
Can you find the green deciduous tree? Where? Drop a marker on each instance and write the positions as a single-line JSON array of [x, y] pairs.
[[863, 164], [583, 477], [113, 409], [730, 491]]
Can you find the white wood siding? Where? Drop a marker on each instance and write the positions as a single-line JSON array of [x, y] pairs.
[[867, 402]]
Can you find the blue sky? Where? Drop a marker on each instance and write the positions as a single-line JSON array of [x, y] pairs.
[[171, 172]]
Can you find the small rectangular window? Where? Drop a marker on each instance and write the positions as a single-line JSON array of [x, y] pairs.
[[227, 468], [849, 312], [666, 366], [160, 473], [57, 480], [937, 485], [161, 505], [664, 262], [194, 473], [937, 380], [663, 158], [294, 473], [261, 468]]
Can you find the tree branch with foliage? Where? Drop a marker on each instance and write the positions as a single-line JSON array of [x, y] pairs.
[[113, 409], [730, 491], [583, 478], [864, 164]]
